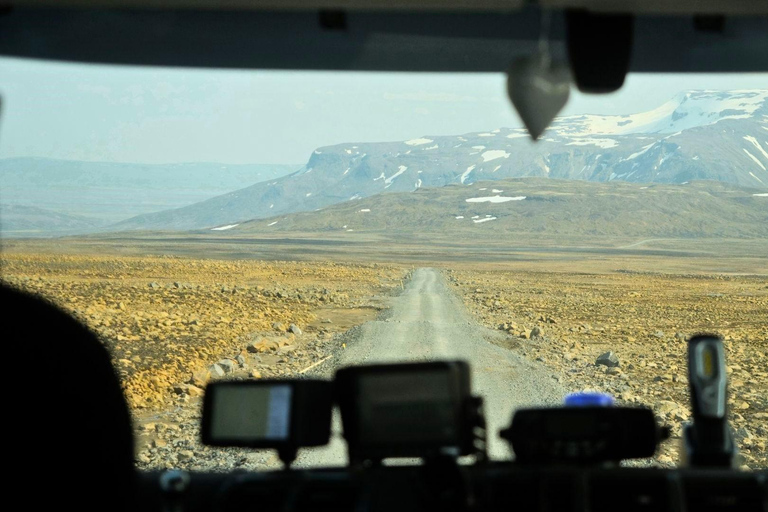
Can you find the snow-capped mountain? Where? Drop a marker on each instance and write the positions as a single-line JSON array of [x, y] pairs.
[[698, 135], [686, 110]]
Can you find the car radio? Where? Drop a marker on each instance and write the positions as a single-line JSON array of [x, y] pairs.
[[583, 434]]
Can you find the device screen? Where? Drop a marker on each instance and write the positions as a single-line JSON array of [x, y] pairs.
[[251, 413], [408, 408]]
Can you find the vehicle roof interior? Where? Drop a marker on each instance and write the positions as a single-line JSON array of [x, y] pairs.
[[356, 35]]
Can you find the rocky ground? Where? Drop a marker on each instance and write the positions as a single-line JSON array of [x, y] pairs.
[[568, 320], [172, 324]]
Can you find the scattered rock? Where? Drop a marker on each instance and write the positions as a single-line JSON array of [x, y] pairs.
[[742, 433], [188, 389], [278, 326], [216, 370], [536, 332], [200, 378], [185, 455], [228, 365], [263, 345], [608, 359], [666, 407], [294, 329]]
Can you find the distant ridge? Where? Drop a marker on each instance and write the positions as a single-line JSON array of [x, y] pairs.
[[535, 207]]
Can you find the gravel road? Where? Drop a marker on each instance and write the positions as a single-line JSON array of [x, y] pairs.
[[428, 322]]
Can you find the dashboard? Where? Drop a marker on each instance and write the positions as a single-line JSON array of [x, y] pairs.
[[493, 486]]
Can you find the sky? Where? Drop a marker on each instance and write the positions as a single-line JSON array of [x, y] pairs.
[[162, 115]]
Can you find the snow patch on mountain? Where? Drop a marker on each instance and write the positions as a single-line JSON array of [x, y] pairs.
[[418, 142], [400, 170], [637, 154], [753, 157], [588, 141], [494, 199], [465, 174], [494, 154], [755, 143]]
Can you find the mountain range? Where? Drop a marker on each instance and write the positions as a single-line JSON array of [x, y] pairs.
[[719, 136], [698, 135]]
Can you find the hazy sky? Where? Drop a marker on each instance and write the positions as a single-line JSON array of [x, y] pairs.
[[158, 115]]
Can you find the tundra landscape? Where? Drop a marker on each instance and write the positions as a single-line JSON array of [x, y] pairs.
[[173, 323], [584, 261]]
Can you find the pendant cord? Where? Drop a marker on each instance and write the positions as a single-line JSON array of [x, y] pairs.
[[544, 32]]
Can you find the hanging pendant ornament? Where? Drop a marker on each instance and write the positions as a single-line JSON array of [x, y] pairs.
[[538, 86]]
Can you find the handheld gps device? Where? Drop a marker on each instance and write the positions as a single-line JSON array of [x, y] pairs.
[[280, 414], [409, 410]]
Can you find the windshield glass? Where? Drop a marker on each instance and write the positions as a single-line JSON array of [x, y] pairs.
[[226, 224]]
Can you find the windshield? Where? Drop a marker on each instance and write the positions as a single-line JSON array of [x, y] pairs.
[[217, 224]]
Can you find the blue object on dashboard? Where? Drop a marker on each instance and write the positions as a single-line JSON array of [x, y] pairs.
[[588, 399]]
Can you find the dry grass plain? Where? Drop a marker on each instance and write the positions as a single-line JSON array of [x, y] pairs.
[[166, 319]]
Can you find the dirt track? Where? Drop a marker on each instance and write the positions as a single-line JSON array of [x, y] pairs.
[[428, 322]]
